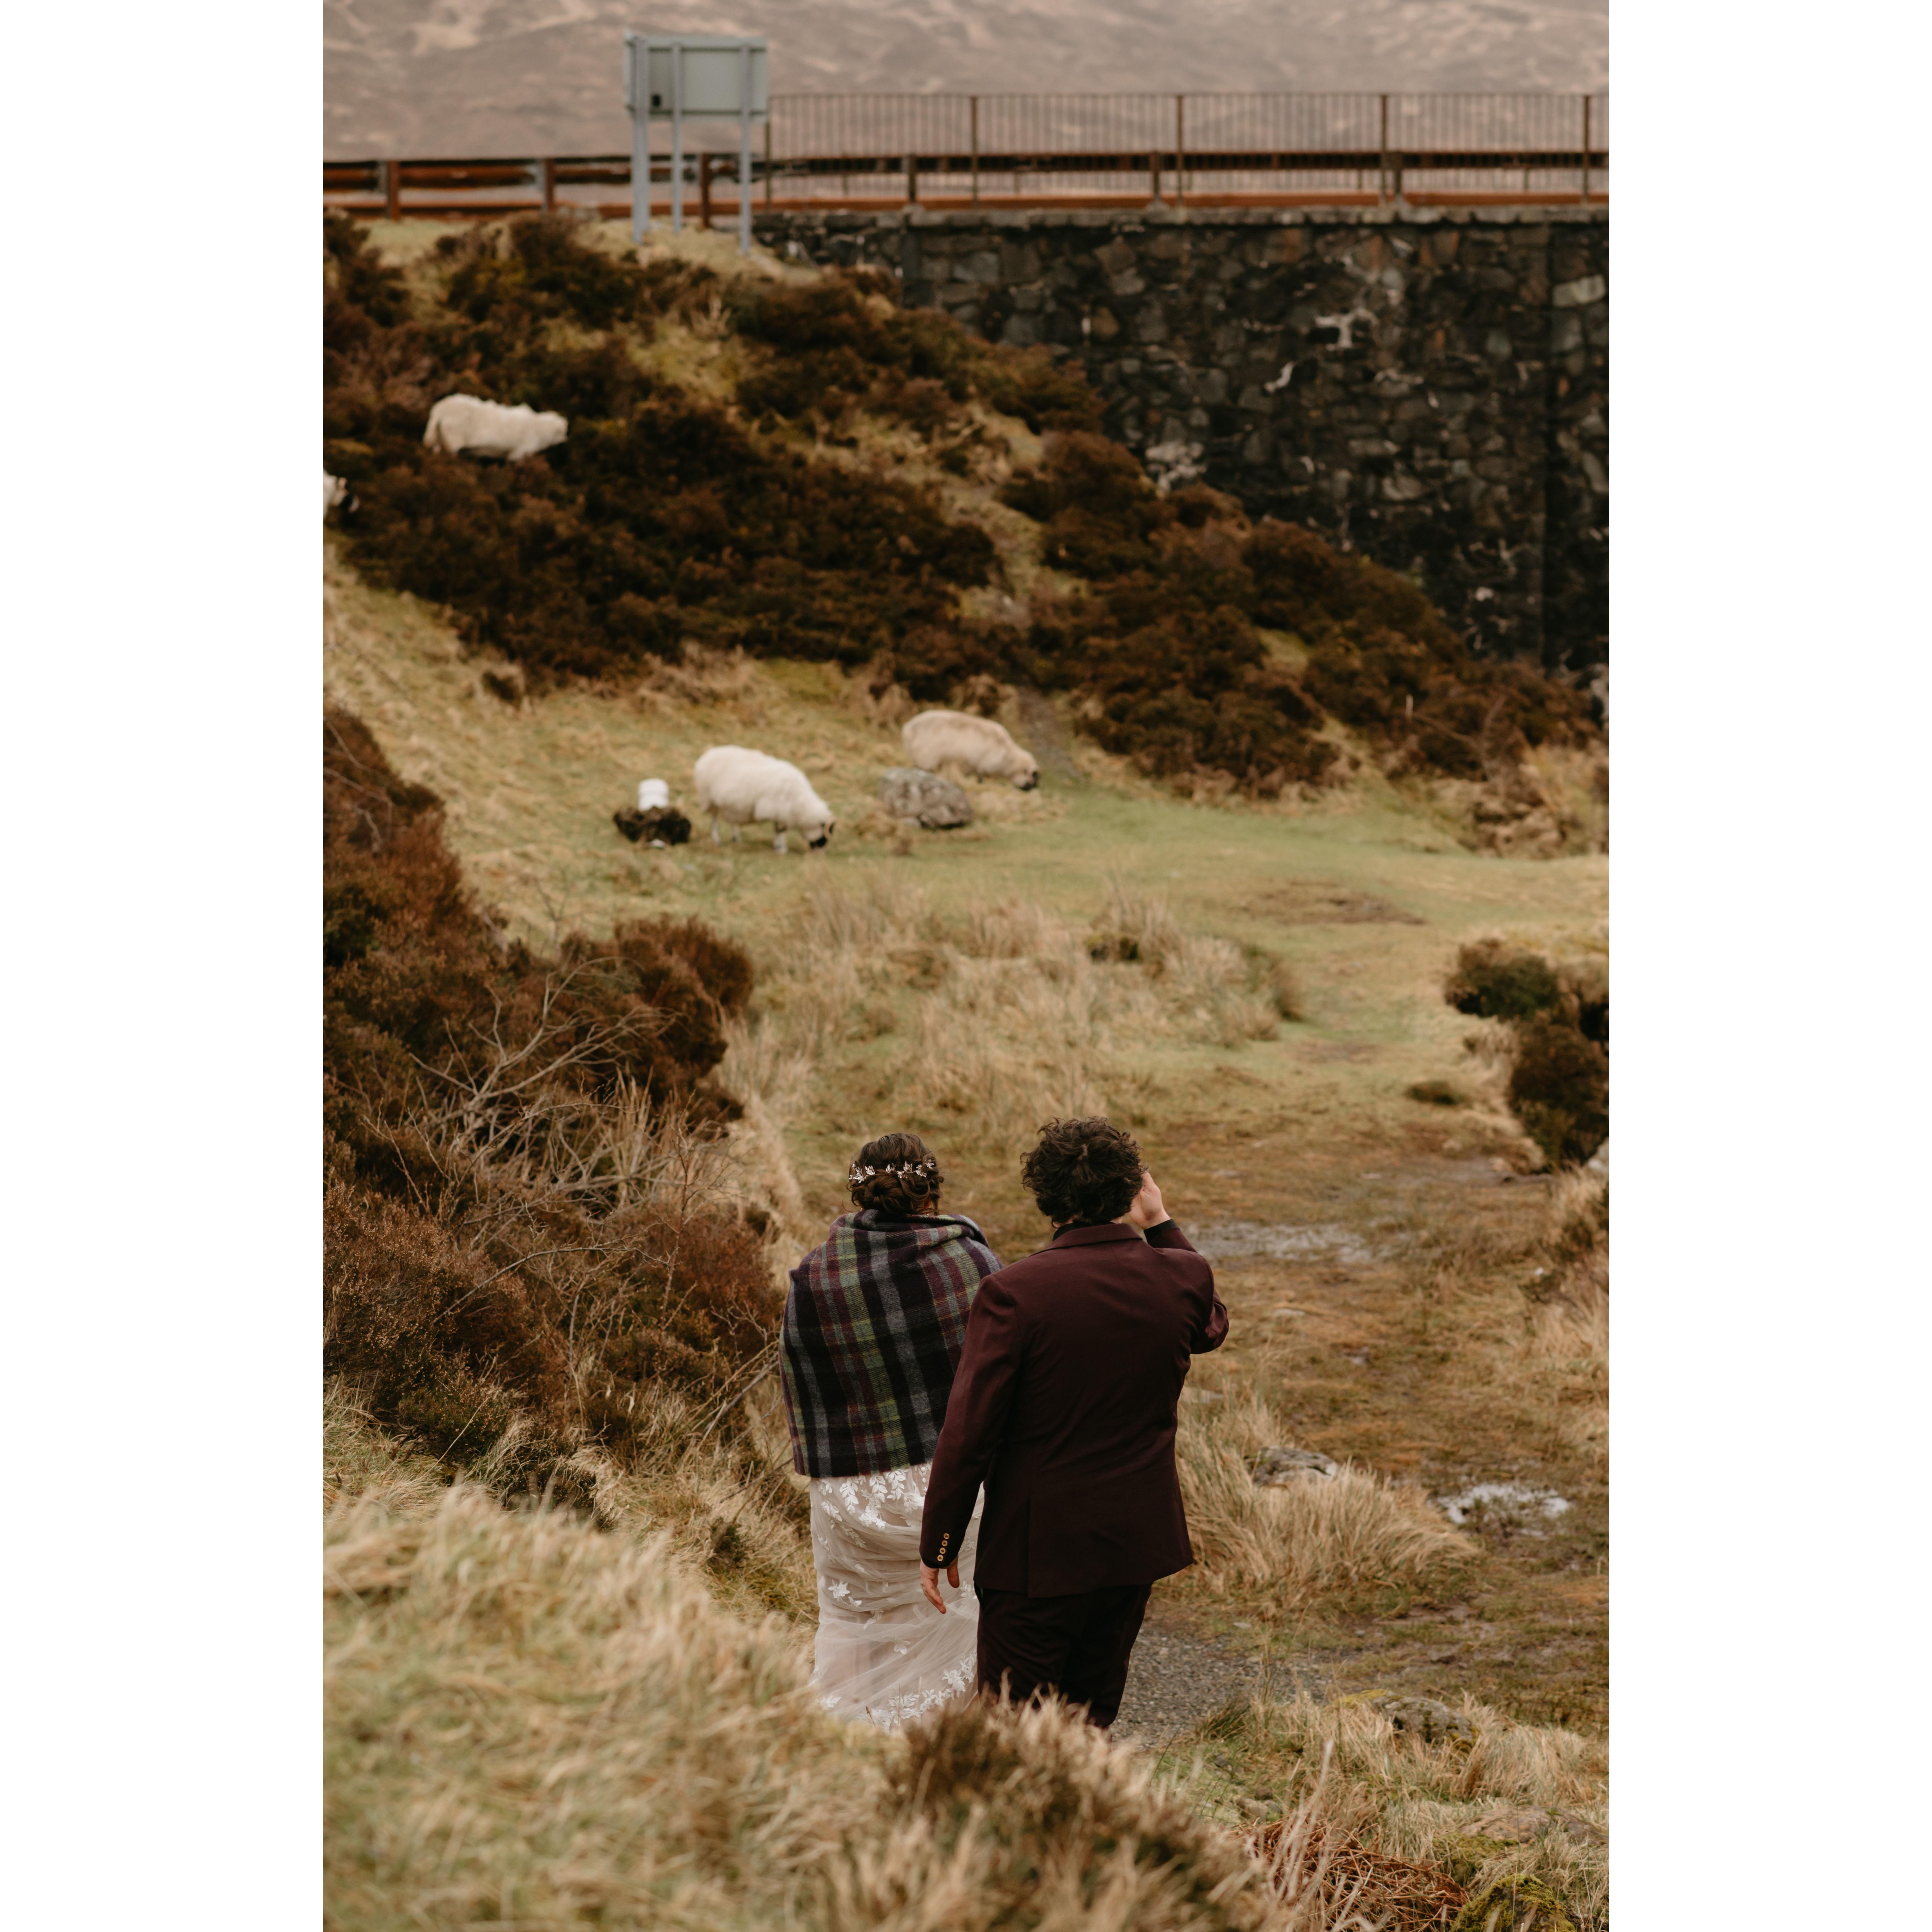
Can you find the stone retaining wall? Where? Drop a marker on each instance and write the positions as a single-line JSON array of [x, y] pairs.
[[1427, 387]]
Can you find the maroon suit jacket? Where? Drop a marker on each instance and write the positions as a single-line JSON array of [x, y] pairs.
[[1063, 1406]]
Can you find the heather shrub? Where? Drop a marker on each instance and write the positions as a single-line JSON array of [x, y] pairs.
[[1098, 510], [525, 1230], [1559, 1088], [1044, 393], [422, 995], [540, 267], [669, 524], [359, 283], [662, 519], [1559, 1023], [1495, 981]]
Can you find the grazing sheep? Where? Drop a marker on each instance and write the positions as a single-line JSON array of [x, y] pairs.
[[935, 738], [459, 423], [741, 786], [335, 491]]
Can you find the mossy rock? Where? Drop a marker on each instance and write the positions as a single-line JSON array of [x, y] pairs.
[[1514, 1905]]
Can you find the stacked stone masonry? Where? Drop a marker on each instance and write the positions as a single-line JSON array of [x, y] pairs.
[[1429, 388]]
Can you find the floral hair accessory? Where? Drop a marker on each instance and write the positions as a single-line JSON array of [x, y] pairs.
[[910, 1167]]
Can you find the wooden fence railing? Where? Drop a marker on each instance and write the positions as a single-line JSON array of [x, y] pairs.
[[873, 151]]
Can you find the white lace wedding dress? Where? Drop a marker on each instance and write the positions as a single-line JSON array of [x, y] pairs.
[[883, 1652]]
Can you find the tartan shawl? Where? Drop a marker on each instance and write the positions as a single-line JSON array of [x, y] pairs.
[[873, 1327]]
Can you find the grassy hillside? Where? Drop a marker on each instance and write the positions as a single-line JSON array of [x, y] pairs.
[[1257, 984], [785, 463]]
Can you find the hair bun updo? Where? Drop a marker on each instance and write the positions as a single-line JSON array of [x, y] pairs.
[[896, 1175]]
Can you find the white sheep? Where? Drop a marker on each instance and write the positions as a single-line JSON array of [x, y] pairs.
[[334, 490], [935, 739], [459, 423], [741, 786]]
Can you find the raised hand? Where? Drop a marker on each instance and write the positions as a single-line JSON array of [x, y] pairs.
[[1147, 1210]]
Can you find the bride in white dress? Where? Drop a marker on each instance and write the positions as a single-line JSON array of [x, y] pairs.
[[873, 1326]]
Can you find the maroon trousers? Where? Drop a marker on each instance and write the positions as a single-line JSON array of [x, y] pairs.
[[1076, 1646]]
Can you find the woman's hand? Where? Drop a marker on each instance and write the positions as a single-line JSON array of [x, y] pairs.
[[1147, 1211], [928, 1582]]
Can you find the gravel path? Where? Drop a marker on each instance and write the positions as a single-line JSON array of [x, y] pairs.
[[1175, 1680]]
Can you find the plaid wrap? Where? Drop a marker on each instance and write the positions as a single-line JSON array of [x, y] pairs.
[[873, 1327]]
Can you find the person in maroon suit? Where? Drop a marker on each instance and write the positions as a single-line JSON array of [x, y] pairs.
[[1063, 1406]]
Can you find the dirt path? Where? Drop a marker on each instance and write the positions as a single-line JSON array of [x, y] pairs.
[[1176, 1679]]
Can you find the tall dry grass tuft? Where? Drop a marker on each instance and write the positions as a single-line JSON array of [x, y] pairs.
[[1568, 1337], [771, 1078], [1508, 1802], [1018, 1015], [1225, 996], [1351, 1531], [1022, 1818], [530, 1723]]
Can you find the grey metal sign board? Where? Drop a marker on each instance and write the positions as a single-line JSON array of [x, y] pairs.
[[675, 76], [708, 72]]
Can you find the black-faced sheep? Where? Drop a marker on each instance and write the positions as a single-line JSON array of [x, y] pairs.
[[740, 787], [936, 739]]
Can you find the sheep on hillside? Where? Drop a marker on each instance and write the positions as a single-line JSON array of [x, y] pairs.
[[935, 739], [459, 423], [741, 786], [335, 491]]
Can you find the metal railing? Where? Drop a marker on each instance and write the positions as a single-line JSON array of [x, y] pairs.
[[877, 150]]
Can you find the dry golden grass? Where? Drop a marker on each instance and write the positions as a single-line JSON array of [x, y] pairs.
[[532, 1723], [1291, 1542], [1516, 1801], [992, 1017]]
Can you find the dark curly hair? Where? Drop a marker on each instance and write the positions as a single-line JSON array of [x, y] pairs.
[[899, 1194], [1084, 1171]]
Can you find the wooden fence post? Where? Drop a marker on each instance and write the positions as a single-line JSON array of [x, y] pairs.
[[392, 190], [704, 190], [1179, 149], [976, 151], [549, 165], [768, 158], [1586, 151], [1382, 180]]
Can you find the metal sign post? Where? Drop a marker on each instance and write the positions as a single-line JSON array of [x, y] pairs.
[[672, 77]]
